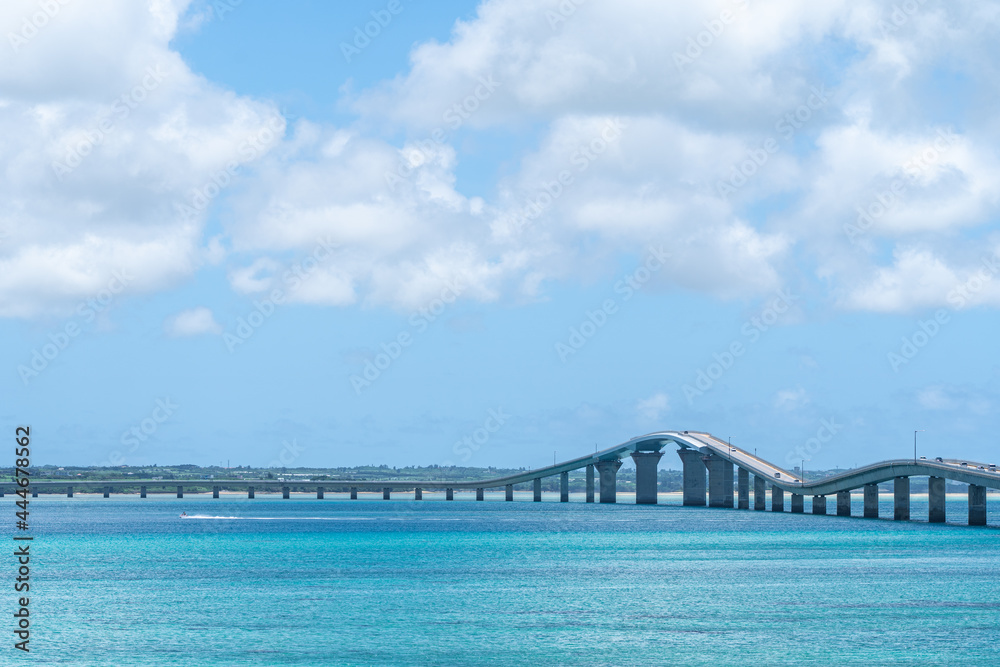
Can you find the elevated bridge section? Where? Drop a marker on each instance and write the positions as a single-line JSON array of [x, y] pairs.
[[713, 470]]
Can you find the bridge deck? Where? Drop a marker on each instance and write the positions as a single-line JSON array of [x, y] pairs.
[[977, 474]]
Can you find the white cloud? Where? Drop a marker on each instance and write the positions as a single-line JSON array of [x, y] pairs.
[[934, 398], [606, 58], [405, 227], [38, 278], [930, 181], [330, 287], [683, 136], [654, 407], [791, 399], [108, 133], [920, 279], [916, 279], [258, 277], [193, 322], [950, 398]]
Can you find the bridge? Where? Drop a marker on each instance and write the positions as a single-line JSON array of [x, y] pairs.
[[708, 464]]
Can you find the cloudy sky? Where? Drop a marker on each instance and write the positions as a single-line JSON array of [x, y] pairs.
[[493, 233]]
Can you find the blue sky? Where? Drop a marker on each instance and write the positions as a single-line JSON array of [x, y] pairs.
[[767, 221]]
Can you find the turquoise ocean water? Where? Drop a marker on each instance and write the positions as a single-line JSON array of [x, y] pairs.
[[124, 581]]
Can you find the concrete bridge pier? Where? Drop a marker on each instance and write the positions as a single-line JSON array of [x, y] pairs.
[[743, 488], [819, 504], [354, 493], [34, 492], [509, 493], [798, 503], [538, 490], [215, 492], [727, 485], [479, 494], [250, 492], [69, 492], [759, 494], [694, 477], [645, 476], [717, 481], [107, 492], [590, 483], [777, 499], [871, 501], [901, 499], [608, 470], [936, 512], [142, 491], [386, 493], [180, 491], [564, 487], [285, 492], [843, 503], [449, 494], [418, 493], [977, 505], [320, 492]]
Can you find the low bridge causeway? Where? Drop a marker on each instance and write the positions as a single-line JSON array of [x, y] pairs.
[[712, 471]]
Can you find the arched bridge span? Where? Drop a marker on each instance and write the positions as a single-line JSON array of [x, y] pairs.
[[712, 467]]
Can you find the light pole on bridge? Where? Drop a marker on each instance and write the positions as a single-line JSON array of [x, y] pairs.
[[915, 444]]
